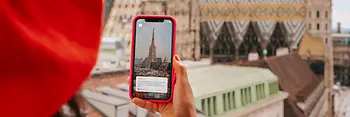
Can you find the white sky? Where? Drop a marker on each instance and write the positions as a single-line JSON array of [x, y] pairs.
[[341, 13]]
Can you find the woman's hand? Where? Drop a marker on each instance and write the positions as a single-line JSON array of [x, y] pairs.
[[182, 104]]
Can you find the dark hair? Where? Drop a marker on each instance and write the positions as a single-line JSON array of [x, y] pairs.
[[74, 105]]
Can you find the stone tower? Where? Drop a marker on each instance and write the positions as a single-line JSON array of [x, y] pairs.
[[152, 49], [319, 18], [186, 13]]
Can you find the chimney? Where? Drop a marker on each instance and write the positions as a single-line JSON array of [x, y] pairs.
[[339, 27]]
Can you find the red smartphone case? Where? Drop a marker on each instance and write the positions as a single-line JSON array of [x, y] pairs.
[[132, 54]]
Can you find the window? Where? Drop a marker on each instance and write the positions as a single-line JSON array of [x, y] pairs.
[[242, 97], [224, 100], [310, 26], [214, 105], [326, 14], [249, 95], [229, 100], [273, 88], [318, 14], [318, 26], [257, 92], [263, 90], [309, 14], [260, 91], [326, 26], [246, 95], [209, 107], [203, 105], [233, 100]]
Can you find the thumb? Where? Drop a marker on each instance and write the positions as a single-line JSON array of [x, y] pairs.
[[180, 69], [144, 104]]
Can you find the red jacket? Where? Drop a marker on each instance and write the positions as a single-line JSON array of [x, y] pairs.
[[48, 48]]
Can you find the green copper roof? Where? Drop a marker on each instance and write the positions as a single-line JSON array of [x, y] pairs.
[[217, 78]]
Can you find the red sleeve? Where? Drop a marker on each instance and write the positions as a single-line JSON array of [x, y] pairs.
[[48, 48]]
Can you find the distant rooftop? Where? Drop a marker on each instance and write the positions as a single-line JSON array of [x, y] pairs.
[[341, 35], [217, 78]]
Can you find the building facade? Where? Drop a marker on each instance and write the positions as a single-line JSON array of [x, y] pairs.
[[228, 30], [341, 42]]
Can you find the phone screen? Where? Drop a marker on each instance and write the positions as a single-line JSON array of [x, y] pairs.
[[152, 64]]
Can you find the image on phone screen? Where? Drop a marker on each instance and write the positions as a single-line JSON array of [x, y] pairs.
[[152, 65]]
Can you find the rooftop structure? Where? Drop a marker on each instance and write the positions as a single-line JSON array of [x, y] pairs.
[[226, 78], [227, 91], [307, 92]]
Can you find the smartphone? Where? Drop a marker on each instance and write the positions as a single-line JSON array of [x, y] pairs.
[[152, 74]]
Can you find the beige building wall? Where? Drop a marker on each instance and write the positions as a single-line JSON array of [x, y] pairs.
[[319, 18], [186, 13]]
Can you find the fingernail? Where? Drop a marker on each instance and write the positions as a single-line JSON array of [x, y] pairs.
[[177, 58]]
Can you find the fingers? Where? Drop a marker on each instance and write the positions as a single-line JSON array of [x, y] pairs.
[[144, 104], [180, 69]]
